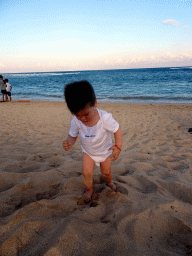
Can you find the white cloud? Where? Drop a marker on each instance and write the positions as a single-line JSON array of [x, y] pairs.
[[172, 22], [169, 58]]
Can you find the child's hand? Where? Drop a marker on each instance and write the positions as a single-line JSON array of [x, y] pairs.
[[66, 145], [115, 153]]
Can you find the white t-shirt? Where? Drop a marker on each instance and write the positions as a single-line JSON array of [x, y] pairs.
[[95, 140], [8, 87]]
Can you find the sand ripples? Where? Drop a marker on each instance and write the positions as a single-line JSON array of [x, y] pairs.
[[42, 210]]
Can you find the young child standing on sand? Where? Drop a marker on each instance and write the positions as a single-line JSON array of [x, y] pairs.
[[94, 127]]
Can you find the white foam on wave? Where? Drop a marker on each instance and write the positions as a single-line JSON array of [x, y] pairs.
[[47, 74]]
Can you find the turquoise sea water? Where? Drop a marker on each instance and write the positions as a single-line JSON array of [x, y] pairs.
[[151, 85]]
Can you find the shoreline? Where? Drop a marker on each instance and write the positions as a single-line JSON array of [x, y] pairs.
[[101, 102], [41, 185]]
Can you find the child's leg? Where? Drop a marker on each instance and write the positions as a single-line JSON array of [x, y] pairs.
[[106, 171], [88, 169]]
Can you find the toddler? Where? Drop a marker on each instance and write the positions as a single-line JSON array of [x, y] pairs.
[[94, 127]]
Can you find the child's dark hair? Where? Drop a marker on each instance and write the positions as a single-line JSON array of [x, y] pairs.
[[78, 95], [6, 80]]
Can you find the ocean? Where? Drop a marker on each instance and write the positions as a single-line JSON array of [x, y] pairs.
[[149, 85]]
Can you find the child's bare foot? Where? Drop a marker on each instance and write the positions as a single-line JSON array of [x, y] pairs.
[[112, 186], [88, 195]]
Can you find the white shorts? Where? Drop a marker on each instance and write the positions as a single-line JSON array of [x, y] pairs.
[[99, 159]]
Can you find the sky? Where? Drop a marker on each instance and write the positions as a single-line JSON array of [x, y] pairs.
[[71, 35]]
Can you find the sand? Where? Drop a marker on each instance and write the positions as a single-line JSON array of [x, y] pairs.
[[41, 185]]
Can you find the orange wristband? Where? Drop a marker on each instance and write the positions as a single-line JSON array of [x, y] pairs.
[[117, 147]]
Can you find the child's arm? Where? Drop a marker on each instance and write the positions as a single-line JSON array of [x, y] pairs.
[[69, 142], [118, 144]]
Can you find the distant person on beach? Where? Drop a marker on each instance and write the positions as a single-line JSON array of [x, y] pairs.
[[94, 127], [8, 90], [3, 88]]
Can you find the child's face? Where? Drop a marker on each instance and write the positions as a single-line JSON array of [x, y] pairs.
[[87, 114]]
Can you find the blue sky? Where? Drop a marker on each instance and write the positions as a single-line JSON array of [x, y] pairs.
[[59, 35]]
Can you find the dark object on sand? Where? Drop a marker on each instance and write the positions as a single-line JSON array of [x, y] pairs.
[[190, 130]]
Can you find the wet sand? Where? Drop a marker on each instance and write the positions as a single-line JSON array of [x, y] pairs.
[[41, 186]]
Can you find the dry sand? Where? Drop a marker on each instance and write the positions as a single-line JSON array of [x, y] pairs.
[[41, 185]]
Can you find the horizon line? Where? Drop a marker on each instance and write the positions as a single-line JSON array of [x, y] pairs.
[[71, 71]]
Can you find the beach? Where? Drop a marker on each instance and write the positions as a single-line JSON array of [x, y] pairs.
[[41, 186]]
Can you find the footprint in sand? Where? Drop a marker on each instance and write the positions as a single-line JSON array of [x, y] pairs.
[[42, 157], [10, 201], [140, 183], [51, 193], [54, 162], [121, 189], [140, 156], [178, 190], [23, 167], [76, 157]]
